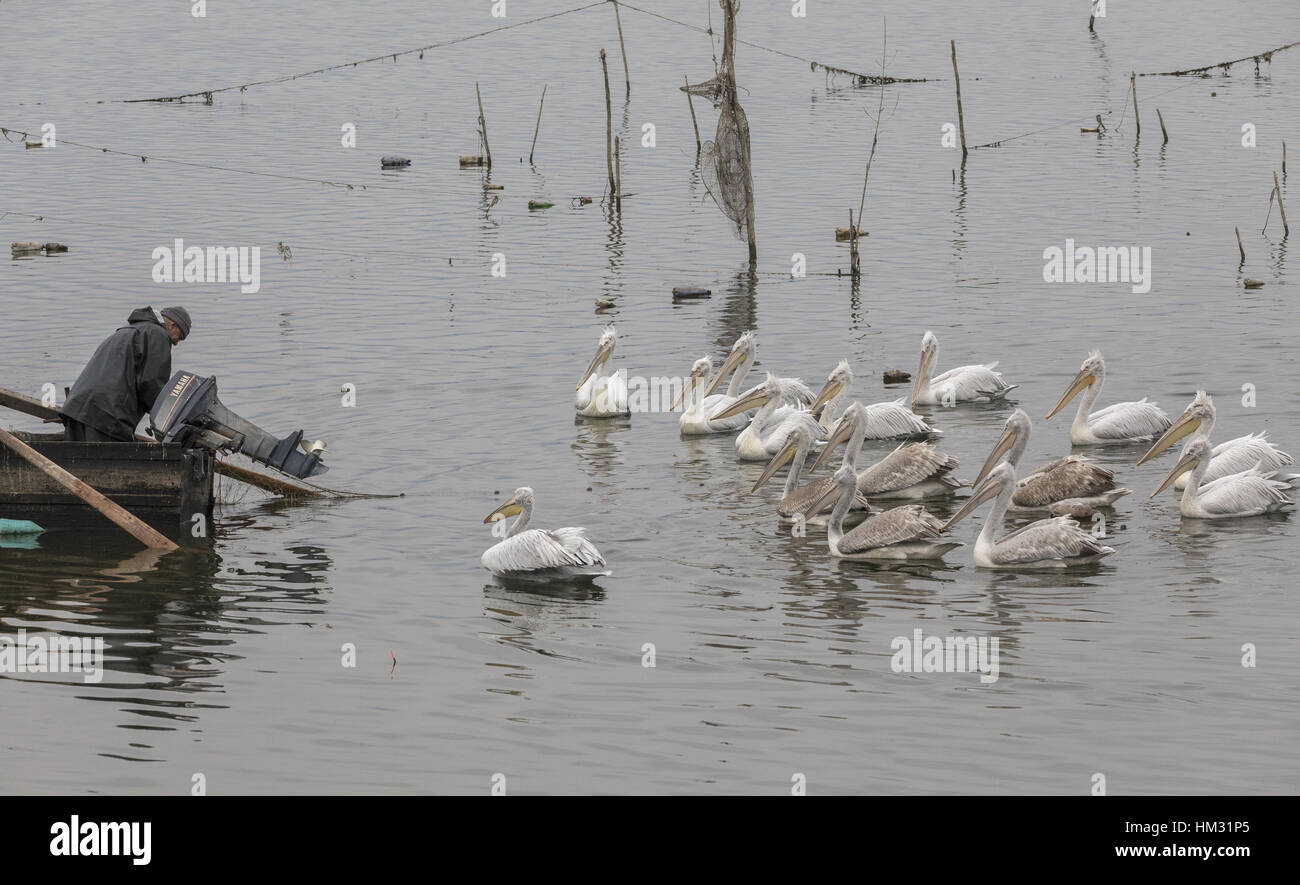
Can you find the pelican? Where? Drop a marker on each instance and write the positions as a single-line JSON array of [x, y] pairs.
[[602, 395], [1248, 493], [964, 384], [1076, 483], [767, 431], [885, 420], [1122, 422], [741, 360], [1055, 542], [538, 553], [796, 502], [1226, 458], [906, 532], [695, 420], [912, 471]]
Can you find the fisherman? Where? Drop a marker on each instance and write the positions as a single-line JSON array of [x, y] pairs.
[[124, 377]]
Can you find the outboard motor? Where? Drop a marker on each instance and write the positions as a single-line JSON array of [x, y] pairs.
[[188, 412]]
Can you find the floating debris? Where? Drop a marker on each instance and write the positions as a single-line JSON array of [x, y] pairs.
[[34, 248], [1251, 283], [579, 201], [19, 527], [33, 144], [692, 292], [494, 187], [603, 303], [539, 204], [390, 162], [467, 160], [846, 233], [897, 376]]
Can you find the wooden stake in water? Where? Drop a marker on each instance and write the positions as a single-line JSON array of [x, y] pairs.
[[1163, 131], [623, 49], [1277, 188], [1284, 159], [1132, 79], [539, 125], [618, 179], [696, 126], [1240, 248], [609, 127], [961, 120], [853, 246], [482, 128]]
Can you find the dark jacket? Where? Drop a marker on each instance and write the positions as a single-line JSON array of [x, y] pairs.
[[124, 377]]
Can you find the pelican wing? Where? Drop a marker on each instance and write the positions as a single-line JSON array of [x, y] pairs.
[[899, 525], [1243, 494], [1072, 476], [1244, 452], [538, 550], [801, 500], [1058, 537], [972, 382], [905, 466], [895, 418], [1134, 420]]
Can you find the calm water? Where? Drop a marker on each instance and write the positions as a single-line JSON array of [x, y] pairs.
[[771, 657]]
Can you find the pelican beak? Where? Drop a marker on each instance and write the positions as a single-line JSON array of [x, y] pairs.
[[922, 372], [755, 399], [686, 389], [602, 354], [1005, 442], [826, 500], [779, 460], [840, 435], [829, 392], [989, 490], [1185, 424], [734, 359], [508, 509], [1081, 380], [1186, 463]]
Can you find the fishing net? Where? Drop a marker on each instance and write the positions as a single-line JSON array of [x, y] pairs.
[[724, 164]]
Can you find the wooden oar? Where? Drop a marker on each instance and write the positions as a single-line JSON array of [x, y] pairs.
[[140, 530]]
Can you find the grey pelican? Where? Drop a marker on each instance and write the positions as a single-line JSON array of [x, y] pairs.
[[1248, 493], [598, 394], [964, 384], [913, 470], [906, 532], [538, 553], [796, 503], [1121, 422], [1074, 482], [1226, 458], [766, 433], [885, 420], [695, 420], [1055, 542]]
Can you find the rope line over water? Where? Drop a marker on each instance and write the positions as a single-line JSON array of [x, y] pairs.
[[208, 93], [1257, 57]]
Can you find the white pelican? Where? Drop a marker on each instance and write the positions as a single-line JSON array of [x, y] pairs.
[[538, 553], [699, 405], [1122, 422], [912, 471], [1248, 493], [1055, 542], [1076, 483], [906, 532], [964, 384], [796, 503], [1226, 458], [599, 394], [885, 420], [766, 433]]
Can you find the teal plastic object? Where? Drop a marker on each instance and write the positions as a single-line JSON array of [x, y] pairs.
[[19, 527]]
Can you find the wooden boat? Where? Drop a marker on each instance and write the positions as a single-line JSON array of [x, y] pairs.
[[164, 485]]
